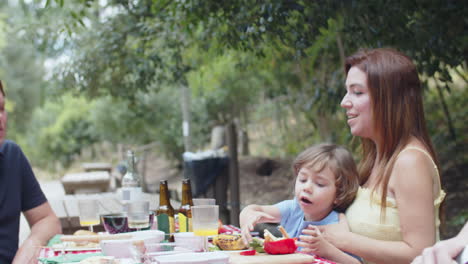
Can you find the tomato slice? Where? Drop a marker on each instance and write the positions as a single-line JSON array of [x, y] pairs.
[[248, 252]]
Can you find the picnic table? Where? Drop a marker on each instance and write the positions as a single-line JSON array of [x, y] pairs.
[[93, 181], [67, 211], [97, 166]]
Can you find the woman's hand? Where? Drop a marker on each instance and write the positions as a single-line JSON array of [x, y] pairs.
[[334, 233], [442, 252]]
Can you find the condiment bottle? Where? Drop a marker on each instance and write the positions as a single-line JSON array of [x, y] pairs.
[[185, 210], [165, 212]]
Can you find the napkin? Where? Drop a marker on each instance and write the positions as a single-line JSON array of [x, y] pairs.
[[54, 240], [69, 258]]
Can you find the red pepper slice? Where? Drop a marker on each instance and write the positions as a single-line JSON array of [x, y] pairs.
[[248, 252], [283, 246]]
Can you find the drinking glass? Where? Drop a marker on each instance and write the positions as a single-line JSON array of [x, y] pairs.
[[205, 221], [204, 201], [138, 215], [89, 213]]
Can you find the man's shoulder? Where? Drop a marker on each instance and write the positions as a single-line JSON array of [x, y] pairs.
[[10, 150], [9, 145]]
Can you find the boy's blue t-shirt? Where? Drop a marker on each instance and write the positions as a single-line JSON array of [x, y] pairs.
[[292, 218]]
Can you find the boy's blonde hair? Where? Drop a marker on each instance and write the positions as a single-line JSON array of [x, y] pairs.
[[340, 161]]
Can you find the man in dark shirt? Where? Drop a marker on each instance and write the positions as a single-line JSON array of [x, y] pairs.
[[20, 192]]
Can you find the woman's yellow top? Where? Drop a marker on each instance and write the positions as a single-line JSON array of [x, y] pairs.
[[364, 213]]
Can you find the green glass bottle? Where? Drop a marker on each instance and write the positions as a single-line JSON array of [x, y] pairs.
[[165, 212]]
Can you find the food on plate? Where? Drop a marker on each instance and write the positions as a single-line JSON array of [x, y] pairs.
[[221, 229], [229, 242], [257, 244], [82, 232], [81, 242], [75, 245], [283, 245], [248, 252], [139, 246]]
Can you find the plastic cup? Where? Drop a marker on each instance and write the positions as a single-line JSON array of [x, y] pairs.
[[204, 201], [138, 214], [89, 213]]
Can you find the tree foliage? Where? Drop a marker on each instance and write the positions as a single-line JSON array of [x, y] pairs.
[[59, 131], [238, 58], [21, 71], [437, 29]]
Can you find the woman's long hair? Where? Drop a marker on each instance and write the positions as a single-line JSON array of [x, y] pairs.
[[398, 112]]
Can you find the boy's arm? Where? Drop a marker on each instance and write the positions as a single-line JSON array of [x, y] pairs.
[[254, 214]]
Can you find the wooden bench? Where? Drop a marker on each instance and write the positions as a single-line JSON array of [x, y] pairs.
[[67, 210], [90, 182], [97, 166]]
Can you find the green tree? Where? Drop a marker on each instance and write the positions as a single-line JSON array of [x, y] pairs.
[[59, 131]]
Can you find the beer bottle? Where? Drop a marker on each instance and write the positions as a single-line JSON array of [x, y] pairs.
[[165, 212], [185, 210]]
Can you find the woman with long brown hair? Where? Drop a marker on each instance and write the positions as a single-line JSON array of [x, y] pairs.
[[395, 213]]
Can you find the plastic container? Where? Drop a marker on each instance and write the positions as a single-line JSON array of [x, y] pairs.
[[122, 248], [189, 241], [149, 236]]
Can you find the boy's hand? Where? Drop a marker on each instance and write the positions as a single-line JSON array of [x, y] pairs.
[[334, 233], [312, 241], [248, 220]]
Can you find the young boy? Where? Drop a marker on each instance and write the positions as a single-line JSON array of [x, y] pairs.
[[327, 182]]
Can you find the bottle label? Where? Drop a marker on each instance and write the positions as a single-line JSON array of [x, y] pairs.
[[166, 224], [131, 193], [185, 223], [125, 194]]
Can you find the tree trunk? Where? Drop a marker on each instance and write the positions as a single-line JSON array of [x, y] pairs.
[[446, 111], [244, 139], [185, 101], [339, 42], [233, 174]]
